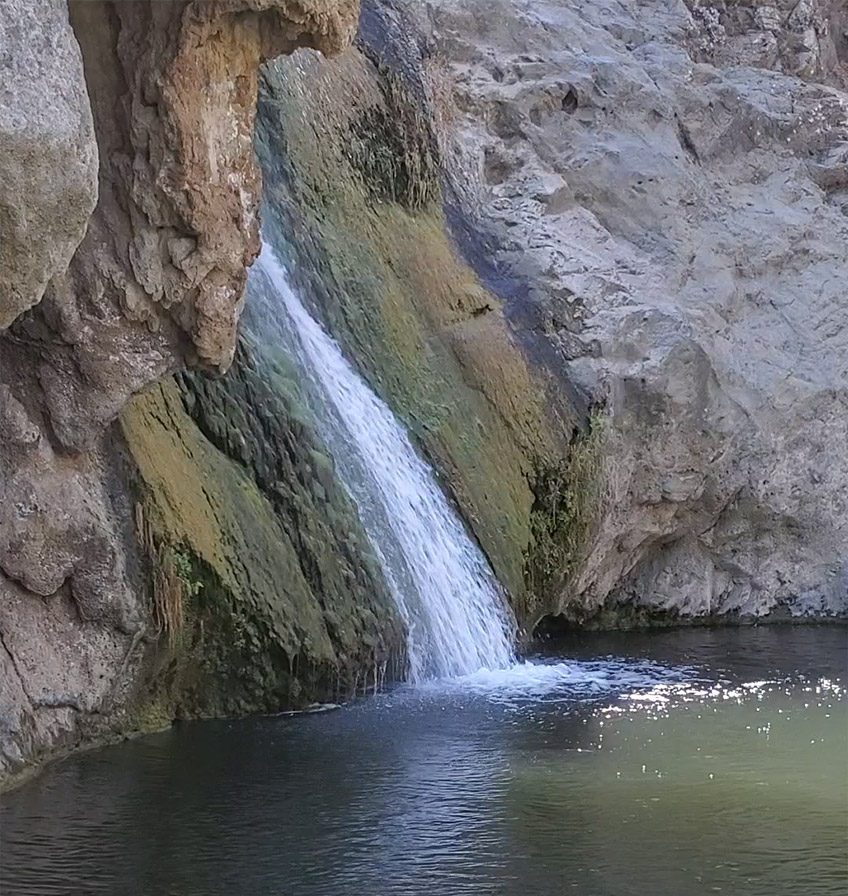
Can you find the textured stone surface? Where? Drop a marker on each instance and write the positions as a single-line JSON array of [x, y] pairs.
[[48, 156], [156, 283], [159, 279], [807, 38], [684, 205], [62, 677]]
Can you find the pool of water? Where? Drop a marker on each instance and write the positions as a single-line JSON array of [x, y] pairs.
[[666, 764]]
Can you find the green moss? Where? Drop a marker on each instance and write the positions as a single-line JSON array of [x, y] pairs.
[[279, 600], [184, 570], [564, 515], [393, 148], [152, 713]]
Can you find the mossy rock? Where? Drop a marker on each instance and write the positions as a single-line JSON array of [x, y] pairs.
[[375, 260], [282, 600]]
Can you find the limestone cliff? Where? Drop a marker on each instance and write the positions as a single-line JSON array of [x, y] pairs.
[[674, 179], [131, 268]]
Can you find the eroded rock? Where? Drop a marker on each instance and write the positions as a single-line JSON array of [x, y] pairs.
[[806, 38], [48, 155], [159, 280], [169, 93], [665, 167]]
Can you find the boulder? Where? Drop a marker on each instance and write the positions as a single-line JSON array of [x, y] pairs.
[[48, 154]]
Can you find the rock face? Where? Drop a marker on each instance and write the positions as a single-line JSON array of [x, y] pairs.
[[162, 271], [157, 282], [593, 253], [806, 38], [682, 194], [48, 156]]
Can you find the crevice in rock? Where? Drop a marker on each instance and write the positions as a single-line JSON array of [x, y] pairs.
[[18, 673], [686, 141]]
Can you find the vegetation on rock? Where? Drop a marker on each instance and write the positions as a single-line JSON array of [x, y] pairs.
[[265, 589]]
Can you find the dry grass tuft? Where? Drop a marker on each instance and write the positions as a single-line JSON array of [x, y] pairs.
[[173, 584], [440, 89]]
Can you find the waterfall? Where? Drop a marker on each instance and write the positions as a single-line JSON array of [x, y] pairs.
[[457, 618]]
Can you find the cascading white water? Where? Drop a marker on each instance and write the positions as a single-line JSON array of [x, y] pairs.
[[453, 607]]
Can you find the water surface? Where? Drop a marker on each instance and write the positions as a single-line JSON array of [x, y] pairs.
[[669, 764]]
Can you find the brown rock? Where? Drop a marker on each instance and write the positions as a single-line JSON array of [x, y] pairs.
[[159, 279], [156, 283]]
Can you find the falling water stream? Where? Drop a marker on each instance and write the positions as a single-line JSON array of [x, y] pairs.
[[457, 618]]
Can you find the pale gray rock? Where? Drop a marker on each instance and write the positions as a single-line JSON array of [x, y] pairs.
[[48, 153], [662, 166], [58, 672]]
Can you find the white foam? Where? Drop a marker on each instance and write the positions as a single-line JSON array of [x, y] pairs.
[[579, 679]]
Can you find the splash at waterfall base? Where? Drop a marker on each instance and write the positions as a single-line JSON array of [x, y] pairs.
[[625, 774]]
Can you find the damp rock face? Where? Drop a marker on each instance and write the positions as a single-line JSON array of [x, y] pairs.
[[128, 218]]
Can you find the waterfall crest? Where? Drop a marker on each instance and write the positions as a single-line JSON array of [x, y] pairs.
[[456, 614]]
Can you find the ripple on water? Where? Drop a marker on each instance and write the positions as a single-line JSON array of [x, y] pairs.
[[618, 776]]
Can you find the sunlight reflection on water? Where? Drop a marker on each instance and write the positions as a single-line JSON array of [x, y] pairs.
[[714, 762]]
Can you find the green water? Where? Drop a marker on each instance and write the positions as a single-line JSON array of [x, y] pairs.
[[739, 790], [669, 764]]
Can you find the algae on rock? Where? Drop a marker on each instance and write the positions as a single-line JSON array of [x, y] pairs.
[[570, 498], [351, 165], [288, 604]]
